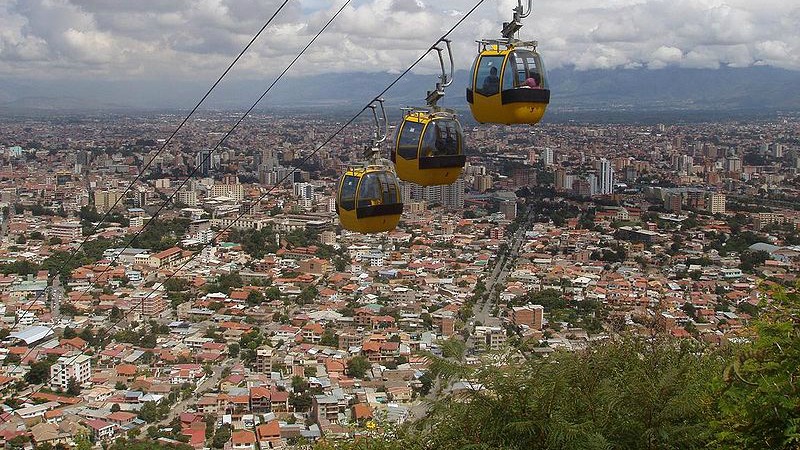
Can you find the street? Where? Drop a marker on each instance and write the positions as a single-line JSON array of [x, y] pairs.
[[482, 310], [180, 407]]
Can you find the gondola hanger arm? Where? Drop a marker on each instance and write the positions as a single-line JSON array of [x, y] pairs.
[[446, 79]]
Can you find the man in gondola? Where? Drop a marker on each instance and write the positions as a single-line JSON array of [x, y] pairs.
[[491, 84]]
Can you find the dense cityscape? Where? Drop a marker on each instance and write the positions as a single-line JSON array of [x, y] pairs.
[[207, 295]]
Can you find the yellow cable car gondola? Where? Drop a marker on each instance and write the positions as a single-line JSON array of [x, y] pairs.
[[429, 149], [508, 83], [429, 145], [368, 197]]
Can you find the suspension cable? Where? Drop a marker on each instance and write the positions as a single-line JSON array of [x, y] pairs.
[[146, 166], [221, 141], [101, 336]]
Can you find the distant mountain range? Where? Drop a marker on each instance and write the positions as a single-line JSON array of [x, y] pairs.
[[727, 90]]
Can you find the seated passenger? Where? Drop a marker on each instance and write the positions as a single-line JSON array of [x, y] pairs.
[[491, 84], [370, 194], [533, 81]]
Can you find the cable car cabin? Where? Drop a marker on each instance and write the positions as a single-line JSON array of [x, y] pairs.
[[429, 148], [508, 86], [368, 200]]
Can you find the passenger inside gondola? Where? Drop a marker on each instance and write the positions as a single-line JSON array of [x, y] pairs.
[[369, 194], [533, 81], [491, 84]]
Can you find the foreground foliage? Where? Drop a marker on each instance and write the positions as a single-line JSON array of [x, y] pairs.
[[635, 393]]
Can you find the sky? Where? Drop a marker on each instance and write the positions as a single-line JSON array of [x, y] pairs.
[[196, 39]]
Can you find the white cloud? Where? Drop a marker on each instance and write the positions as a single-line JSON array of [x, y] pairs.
[[178, 38]]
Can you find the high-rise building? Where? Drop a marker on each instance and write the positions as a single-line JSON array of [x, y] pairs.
[[83, 157], [150, 304], [733, 164], [532, 156], [187, 197], [594, 184], [531, 316], [548, 157], [105, 200], [582, 187], [453, 195], [263, 361], [482, 183], [450, 196], [684, 164], [606, 178], [509, 209], [674, 202], [405, 191], [230, 187], [560, 179], [203, 162], [524, 176], [716, 203], [304, 190]]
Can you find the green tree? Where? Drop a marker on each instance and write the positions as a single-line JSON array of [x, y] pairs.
[[222, 435], [329, 338], [626, 394], [750, 260], [73, 388], [307, 295], [358, 366], [149, 412], [18, 442], [115, 314], [225, 283], [82, 442], [87, 335], [299, 384], [39, 372], [69, 333], [273, 293], [255, 298], [300, 402], [211, 425], [233, 349], [758, 395]]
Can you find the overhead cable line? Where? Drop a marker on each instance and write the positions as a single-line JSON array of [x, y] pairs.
[[150, 162], [183, 183], [138, 176], [299, 165], [171, 197], [278, 183]]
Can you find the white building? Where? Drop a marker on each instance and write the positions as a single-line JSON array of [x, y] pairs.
[[304, 190], [67, 231], [450, 196], [716, 203], [67, 367], [606, 178]]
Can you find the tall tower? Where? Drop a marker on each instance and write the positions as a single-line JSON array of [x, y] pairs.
[[547, 157], [606, 184], [204, 163]]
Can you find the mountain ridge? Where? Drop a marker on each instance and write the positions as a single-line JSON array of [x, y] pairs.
[[669, 89]]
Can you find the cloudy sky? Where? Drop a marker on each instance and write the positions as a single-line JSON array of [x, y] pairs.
[[155, 39]]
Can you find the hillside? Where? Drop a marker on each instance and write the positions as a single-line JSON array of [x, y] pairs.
[[733, 90]]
